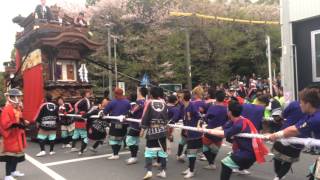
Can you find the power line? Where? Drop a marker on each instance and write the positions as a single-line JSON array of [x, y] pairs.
[[105, 66]]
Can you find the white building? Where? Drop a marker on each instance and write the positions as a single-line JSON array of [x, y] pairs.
[[300, 30]]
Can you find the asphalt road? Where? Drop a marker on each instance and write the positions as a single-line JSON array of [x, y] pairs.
[[95, 166]]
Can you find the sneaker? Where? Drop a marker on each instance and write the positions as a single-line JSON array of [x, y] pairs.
[[185, 172], [74, 150], [52, 153], [80, 153], [9, 178], [242, 172], [203, 158], [189, 175], [162, 174], [68, 146], [210, 167], [315, 152], [156, 164], [93, 150], [17, 174], [41, 153], [148, 175], [307, 150], [277, 178], [132, 160], [181, 158], [114, 157]]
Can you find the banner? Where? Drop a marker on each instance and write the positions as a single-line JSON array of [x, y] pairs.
[[18, 59], [33, 91]]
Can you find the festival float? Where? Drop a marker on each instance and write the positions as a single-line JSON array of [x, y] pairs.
[[50, 59]]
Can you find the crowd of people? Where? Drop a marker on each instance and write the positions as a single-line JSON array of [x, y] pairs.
[[244, 105], [223, 111]]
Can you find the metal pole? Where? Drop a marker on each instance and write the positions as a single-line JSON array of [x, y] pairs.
[[109, 63], [188, 60], [103, 80], [269, 64], [295, 57], [115, 60]]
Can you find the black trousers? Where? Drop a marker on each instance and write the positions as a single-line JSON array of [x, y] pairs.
[[281, 168], [11, 166], [225, 172]]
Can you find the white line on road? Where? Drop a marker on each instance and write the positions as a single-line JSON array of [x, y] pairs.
[[44, 168], [81, 159]]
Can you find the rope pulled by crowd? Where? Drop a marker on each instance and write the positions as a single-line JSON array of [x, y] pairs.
[[307, 142]]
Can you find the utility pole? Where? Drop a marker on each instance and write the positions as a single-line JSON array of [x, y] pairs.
[[109, 60], [269, 63], [115, 59], [188, 60]]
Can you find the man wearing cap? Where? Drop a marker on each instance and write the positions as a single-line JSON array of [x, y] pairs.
[[233, 93], [276, 111], [286, 155], [117, 107], [14, 139]]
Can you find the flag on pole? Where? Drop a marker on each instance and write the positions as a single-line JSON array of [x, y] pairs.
[[145, 80]]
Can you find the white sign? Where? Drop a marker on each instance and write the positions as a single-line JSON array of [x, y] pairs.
[[83, 73], [122, 86]]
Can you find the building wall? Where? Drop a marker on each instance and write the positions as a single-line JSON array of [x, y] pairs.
[[287, 63], [298, 19], [302, 9], [302, 39]]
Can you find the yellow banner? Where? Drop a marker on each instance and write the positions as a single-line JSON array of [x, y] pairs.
[[245, 21]]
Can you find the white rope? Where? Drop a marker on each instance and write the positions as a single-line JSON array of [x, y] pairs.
[[210, 131], [308, 142], [119, 118]]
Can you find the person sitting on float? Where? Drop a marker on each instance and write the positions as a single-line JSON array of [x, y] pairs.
[[43, 12], [79, 20]]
